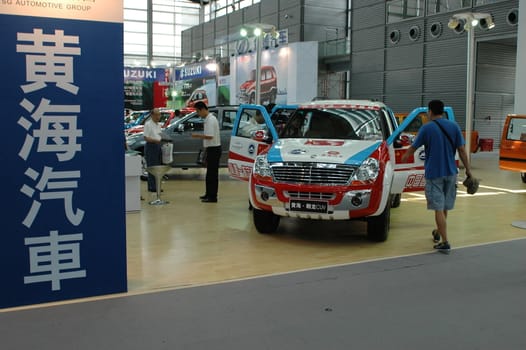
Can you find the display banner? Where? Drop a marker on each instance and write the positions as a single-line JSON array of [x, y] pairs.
[[63, 230], [195, 82], [139, 84]]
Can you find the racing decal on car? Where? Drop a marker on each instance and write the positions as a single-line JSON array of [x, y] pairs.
[[335, 154], [415, 181], [240, 171], [324, 143], [298, 151]]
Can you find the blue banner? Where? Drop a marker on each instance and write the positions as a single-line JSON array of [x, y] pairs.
[[63, 227], [145, 74], [195, 71]]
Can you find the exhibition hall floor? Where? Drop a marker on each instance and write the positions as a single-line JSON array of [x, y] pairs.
[[188, 243], [201, 277]]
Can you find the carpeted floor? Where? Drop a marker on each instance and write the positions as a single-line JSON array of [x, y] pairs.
[[473, 298]]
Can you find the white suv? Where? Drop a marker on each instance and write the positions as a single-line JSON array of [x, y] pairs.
[[333, 160]]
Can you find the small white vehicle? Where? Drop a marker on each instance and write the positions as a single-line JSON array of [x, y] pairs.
[[333, 160]]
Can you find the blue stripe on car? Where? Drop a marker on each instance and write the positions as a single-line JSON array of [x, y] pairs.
[[358, 158], [274, 154]]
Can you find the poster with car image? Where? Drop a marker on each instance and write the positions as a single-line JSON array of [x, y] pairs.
[[273, 80], [195, 82]]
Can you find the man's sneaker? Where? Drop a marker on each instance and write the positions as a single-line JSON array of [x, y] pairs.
[[443, 247], [436, 236]]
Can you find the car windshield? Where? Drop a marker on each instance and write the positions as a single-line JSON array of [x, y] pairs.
[[335, 123], [517, 129], [183, 120]]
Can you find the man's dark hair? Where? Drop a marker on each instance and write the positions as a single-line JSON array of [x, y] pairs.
[[436, 106], [200, 105]]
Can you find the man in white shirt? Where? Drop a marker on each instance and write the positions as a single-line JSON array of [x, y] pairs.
[[152, 149], [212, 145]]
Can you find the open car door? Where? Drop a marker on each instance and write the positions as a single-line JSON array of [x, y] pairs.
[[512, 152], [252, 134], [409, 176]]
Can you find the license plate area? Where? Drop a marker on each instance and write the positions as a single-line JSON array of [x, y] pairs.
[[308, 206]]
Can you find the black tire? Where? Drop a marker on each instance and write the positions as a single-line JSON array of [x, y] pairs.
[[397, 199], [523, 177], [265, 221], [378, 226]]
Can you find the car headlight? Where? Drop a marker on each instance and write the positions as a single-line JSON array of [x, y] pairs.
[[262, 167], [368, 171]]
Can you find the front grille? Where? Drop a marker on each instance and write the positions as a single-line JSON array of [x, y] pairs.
[[323, 174], [310, 195]]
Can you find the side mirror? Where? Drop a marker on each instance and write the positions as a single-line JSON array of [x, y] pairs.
[[403, 140], [180, 127], [261, 135]]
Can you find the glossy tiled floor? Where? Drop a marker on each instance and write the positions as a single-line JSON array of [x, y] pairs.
[[187, 242]]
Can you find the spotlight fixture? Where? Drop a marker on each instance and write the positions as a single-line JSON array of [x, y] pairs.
[[457, 24], [465, 21], [486, 23]]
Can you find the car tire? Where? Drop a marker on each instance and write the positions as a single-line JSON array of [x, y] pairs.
[[523, 177], [378, 226], [397, 199], [265, 221]]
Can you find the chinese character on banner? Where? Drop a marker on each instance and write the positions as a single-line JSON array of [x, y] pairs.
[[49, 59], [53, 185], [54, 258]]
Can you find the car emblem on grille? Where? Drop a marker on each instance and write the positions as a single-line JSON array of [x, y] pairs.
[[298, 151]]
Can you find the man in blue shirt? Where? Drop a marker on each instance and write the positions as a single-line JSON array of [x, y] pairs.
[[441, 139]]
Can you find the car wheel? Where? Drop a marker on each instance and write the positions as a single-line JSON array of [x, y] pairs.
[[397, 199], [265, 221], [523, 177], [378, 226]]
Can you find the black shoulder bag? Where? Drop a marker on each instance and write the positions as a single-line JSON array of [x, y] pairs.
[[447, 135]]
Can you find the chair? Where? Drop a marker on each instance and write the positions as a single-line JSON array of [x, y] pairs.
[[158, 172]]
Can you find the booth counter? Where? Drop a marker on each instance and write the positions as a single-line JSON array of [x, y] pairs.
[[132, 172]]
